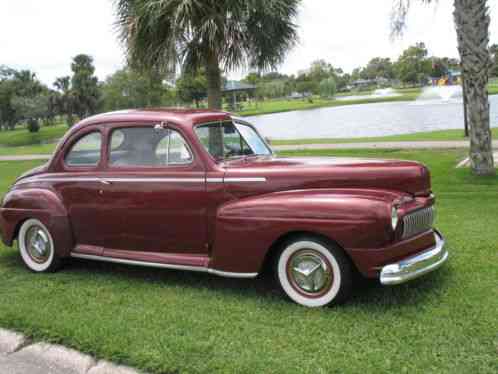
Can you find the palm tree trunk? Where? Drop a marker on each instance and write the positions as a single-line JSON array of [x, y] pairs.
[[213, 76], [472, 25]]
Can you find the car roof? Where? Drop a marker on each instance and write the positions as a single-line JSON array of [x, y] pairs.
[[180, 116]]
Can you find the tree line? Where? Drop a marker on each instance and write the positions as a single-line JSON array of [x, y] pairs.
[[24, 99], [414, 67]]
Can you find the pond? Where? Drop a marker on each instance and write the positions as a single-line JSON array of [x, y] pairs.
[[367, 120]]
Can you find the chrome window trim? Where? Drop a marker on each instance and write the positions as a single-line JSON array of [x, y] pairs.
[[189, 149], [242, 122], [84, 166], [232, 120], [149, 167], [164, 266]]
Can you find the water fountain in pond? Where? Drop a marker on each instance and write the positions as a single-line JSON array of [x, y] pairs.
[[378, 93], [385, 92], [442, 94]]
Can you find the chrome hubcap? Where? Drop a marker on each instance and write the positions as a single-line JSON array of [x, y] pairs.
[[38, 244], [310, 272]]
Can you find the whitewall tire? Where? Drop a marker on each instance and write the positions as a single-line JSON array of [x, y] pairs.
[[313, 272], [36, 246]]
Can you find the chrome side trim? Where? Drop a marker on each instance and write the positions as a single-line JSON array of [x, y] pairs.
[[76, 179], [214, 180], [172, 180], [115, 180], [228, 274], [415, 266], [254, 179], [141, 180], [164, 266]]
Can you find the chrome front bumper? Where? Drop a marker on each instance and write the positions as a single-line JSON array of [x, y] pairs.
[[415, 266]]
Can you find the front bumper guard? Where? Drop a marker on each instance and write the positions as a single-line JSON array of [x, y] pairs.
[[415, 266]]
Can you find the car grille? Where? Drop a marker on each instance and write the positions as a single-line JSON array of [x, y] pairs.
[[418, 221]]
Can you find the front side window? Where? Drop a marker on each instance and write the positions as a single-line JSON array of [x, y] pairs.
[[228, 139], [148, 147], [86, 151]]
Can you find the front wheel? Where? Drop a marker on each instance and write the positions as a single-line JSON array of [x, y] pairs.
[[313, 272], [37, 247]]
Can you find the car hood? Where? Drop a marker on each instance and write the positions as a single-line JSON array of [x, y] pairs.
[[331, 172]]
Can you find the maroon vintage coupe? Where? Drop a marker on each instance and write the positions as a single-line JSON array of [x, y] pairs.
[[200, 190]]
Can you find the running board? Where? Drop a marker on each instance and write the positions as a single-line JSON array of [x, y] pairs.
[[200, 269]]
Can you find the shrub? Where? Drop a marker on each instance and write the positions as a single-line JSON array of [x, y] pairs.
[[33, 125]]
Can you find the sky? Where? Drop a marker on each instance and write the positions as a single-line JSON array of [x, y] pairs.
[[43, 36]]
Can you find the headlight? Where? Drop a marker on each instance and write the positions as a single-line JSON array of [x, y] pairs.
[[394, 218]]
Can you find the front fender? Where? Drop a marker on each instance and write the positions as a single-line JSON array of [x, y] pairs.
[[42, 204], [247, 228]]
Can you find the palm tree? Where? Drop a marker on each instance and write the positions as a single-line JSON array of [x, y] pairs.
[[472, 25], [66, 98], [217, 35]]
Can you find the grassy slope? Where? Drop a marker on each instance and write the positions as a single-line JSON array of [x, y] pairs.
[[21, 136], [167, 321], [278, 106], [28, 150]]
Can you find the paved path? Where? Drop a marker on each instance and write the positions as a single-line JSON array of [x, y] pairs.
[[25, 157], [19, 356], [383, 145]]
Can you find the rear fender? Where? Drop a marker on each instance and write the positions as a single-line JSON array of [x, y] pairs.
[[20, 205], [246, 229]]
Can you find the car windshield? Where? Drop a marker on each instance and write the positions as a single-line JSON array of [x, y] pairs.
[[231, 139]]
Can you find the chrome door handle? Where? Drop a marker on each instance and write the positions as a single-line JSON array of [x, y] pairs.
[[105, 181]]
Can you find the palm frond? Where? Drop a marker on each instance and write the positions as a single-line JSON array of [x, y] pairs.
[[399, 12], [160, 34]]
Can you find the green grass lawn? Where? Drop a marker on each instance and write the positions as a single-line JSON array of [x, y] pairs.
[[173, 322], [493, 86], [284, 105], [440, 135], [22, 137], [28, 150]]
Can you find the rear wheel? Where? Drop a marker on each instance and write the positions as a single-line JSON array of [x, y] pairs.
[[37, 247], [313, 272]]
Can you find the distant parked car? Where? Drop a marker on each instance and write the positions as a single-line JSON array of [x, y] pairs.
[[203, 191]]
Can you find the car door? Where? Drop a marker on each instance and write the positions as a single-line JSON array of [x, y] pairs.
[[156, 189], [77, 181]]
